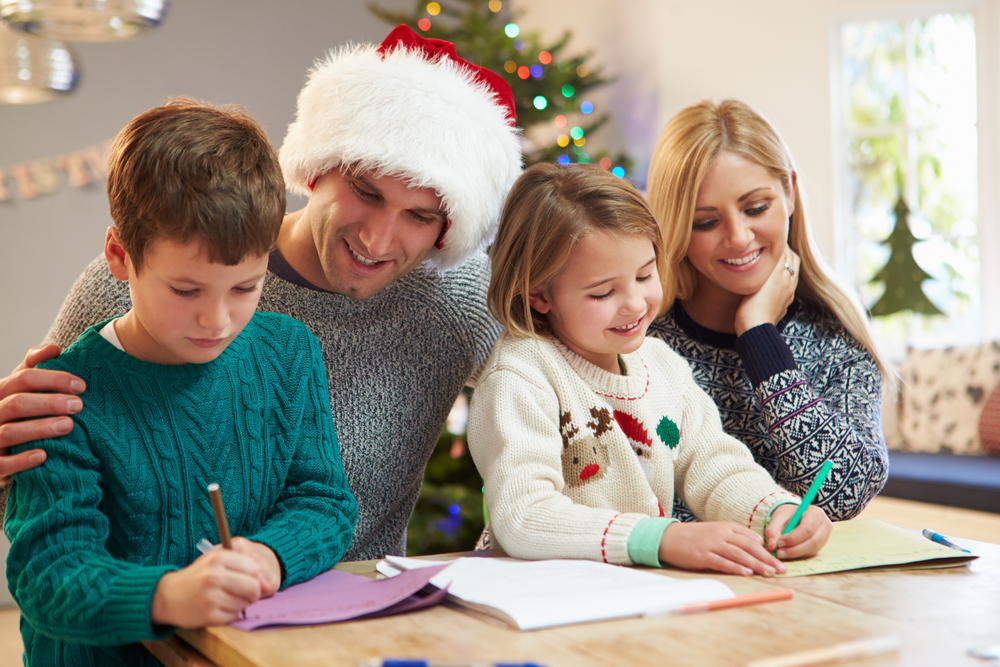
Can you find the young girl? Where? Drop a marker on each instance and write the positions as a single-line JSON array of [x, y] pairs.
[[785, 352], [582, 428]]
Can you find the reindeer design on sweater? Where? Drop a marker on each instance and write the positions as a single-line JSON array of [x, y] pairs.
[[585, 458]]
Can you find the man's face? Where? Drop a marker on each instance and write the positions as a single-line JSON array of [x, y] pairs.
[[369, 230]]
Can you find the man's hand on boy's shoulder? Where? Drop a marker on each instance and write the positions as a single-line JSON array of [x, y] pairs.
[[33, 406]]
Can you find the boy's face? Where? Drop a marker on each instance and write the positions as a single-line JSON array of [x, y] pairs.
[[185, 309]]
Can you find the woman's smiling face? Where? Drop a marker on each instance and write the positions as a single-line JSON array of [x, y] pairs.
[[740, 227]]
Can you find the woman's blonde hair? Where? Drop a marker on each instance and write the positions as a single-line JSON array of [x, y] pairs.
[[685, 152], [548, 210]]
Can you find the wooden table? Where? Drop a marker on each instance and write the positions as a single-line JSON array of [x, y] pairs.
[[938, 615]]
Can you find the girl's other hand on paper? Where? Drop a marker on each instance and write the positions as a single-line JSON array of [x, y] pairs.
[[213, 590], [807, 538], [717, 545], [270, 569]]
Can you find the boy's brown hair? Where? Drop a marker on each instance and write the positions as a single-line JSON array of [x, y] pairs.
[[190, 171], [548, 210]]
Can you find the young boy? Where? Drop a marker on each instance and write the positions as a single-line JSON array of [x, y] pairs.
[[191, 386]]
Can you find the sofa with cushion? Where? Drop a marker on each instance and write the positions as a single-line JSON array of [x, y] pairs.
[[943, 428]]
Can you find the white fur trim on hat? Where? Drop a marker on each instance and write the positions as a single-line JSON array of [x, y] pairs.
[[428, 122]]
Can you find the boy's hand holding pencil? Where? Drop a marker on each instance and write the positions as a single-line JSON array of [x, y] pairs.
[[270, 568], [213, 590], [221, 583]]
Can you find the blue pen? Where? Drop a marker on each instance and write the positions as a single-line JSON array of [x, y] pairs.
[[942, 540], [430, 662]]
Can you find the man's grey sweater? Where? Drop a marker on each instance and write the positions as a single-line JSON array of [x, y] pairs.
[[395, 363]]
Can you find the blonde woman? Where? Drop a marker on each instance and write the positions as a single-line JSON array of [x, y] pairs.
[[585, 430], [785, 353]]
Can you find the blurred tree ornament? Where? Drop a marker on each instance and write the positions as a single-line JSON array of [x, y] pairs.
[[901, 274], [33, 69]]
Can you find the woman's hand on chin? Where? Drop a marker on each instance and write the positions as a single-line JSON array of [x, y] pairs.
[[771, 301]]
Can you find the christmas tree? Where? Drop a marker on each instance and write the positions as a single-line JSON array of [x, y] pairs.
[[550, 98], [901, 274], [550, 88]]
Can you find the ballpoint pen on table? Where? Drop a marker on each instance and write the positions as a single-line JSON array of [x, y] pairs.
[[771, 595], [942, 540]]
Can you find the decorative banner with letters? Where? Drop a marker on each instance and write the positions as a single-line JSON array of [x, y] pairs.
[[41, 177]]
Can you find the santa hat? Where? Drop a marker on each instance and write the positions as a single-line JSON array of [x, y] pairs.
[[412, 108]]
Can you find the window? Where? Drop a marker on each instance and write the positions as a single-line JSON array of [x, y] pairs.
[[908, 126]]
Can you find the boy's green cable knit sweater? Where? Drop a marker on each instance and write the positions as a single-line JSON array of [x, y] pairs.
[[122, 499]]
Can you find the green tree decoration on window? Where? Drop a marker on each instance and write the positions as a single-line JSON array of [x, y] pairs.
[[901, 274], [549, 86]]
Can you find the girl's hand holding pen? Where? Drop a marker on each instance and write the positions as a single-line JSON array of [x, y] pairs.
[[805, 540]]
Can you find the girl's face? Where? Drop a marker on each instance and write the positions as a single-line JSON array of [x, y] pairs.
[[602, 302], [740, 227]]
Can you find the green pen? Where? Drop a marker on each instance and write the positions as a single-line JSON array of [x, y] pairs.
[[807, 499]]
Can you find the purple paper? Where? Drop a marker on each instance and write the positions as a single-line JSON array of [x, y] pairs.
[[339, 596]]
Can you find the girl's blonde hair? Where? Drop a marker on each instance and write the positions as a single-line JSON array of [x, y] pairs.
[[683, 155], [548, 210]]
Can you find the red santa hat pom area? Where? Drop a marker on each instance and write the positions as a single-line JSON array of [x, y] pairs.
[[412, 108]]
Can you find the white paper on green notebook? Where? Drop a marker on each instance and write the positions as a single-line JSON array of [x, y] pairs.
[[538, 594], [870, 543]]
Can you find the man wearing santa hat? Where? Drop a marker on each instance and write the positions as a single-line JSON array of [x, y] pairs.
[[406, 153]]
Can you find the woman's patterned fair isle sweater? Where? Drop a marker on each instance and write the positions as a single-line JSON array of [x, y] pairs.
[[796, 394]]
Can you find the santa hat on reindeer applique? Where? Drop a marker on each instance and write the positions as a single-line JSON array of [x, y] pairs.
[[412, 108]]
